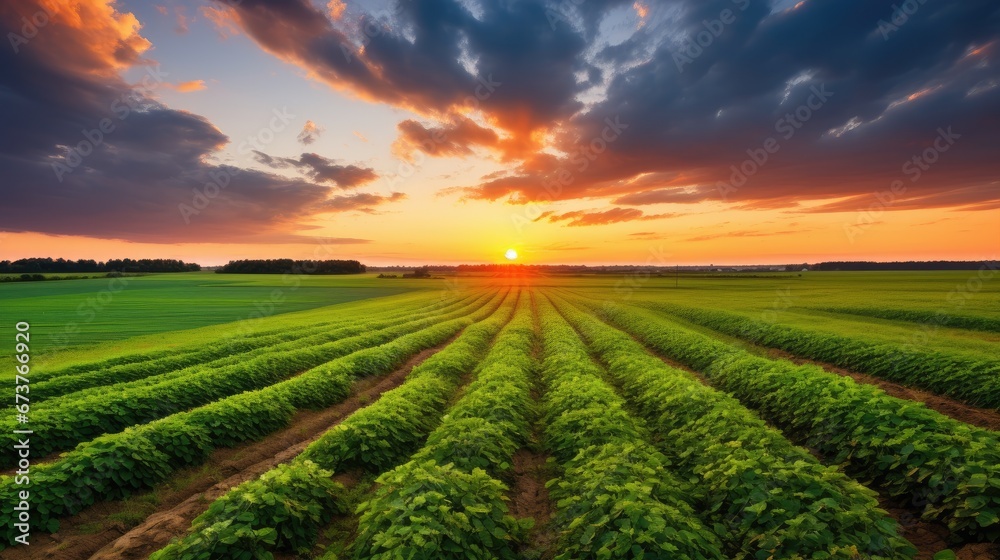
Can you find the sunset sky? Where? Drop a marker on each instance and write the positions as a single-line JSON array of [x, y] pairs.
[[447, 131]]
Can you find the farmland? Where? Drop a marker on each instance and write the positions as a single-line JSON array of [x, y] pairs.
[[786, 416], [106, 309]]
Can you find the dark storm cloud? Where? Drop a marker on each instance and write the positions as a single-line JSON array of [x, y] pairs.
[[693, 121], [85, 153], [848, 91], [883, 92], [414, 56], [701, 118]]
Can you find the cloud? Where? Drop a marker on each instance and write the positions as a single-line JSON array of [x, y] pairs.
[[181, 19], [675, 196], [344, 176], [336, 8], [505, 79], [189, 86], [310, 133], [457, 138], [359, 202], [321, 169], [63, 175], [978, 197], [525, 75], [649, 235], [579, 218], [224, 25], [695, 124]]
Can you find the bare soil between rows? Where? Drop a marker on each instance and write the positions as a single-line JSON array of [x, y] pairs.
[[930, 538], [530, 498], [229, 467]]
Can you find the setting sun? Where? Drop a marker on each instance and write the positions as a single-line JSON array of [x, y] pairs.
[[511, 254]]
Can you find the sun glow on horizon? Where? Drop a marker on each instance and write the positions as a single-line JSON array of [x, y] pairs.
[[511, 254]]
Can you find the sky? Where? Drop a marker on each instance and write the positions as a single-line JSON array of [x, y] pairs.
[[448, 131]]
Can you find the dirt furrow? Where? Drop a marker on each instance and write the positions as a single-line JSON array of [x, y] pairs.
[[530, 498], [931, 537]]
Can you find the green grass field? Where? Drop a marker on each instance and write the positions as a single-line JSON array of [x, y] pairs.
[[107, 309], [112, 310], [737, 417]]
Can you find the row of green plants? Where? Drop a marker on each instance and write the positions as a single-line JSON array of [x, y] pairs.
[[765, 497], [377, 438], [213, 356], [374, 439], [116, 465], [946, 469], [305, 337], [615, 494], [922, 316], [970, 379], [158, 360], [449, 500], [224, 353], [61, 423]]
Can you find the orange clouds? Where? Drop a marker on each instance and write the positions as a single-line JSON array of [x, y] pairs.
[[310, 133], [641, 9], [580, 218], [371, 59], [189, 86], [336, 9], [112, 38], [456, 138], [98, 156], [222, 19]]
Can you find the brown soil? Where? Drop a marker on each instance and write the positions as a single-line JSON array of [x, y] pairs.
[[930, 538], [981, 417], [530, 498], [980, 551], [90, 534]]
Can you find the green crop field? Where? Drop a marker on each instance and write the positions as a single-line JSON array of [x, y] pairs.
[[78, 313], [821, 415]]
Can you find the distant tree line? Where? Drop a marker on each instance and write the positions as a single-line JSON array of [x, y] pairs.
[[50, 265], [289, 266], [422, 272], [902, 265]]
